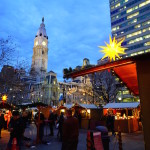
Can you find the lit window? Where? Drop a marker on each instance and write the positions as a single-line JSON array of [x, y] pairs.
[[133, 15], [144, 3], [133, 34], [117, 5], [146, 23], [132, 21], [133, 54], [146, 29], [141, 52], [114, 29], [125, 92], [147, 36], [148, 50], [132, 9], [135, 40], [147, 44], [135, 20], [138, 26]]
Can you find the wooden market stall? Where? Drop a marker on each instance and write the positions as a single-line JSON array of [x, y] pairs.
[[61, 109], [92, 116], [89, 113], [126, 115]]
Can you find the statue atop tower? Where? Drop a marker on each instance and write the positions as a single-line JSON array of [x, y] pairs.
[[40, 52], [43, 19]]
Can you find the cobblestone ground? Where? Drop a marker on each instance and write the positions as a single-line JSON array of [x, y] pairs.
[[132, 141]]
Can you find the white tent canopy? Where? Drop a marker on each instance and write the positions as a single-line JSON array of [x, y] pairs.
[[87, 106], [68, 105], [121, 105]]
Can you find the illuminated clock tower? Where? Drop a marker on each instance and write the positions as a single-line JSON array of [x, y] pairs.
[[40, 52]]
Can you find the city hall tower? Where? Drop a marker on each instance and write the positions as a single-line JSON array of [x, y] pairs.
[[40, 52]]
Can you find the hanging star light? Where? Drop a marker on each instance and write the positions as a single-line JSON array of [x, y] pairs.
[[4, 97], [113, 49]]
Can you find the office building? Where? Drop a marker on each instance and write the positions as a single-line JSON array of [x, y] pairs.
[[130, 19]]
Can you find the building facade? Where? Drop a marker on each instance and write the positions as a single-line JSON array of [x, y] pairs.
[[80, 90], [130, 20]]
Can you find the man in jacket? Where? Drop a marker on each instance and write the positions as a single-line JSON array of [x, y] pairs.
[[70, 132]]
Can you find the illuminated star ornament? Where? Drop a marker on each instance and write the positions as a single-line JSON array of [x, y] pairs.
[[113, 49], [4, 97]]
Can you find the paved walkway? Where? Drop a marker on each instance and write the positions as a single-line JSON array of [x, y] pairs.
[[132, 141]]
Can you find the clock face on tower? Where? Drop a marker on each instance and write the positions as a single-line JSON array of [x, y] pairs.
[[44, 43]]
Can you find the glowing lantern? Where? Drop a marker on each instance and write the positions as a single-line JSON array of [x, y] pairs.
[[113, 49]]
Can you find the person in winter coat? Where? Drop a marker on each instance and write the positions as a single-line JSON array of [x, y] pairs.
[[70, 132]]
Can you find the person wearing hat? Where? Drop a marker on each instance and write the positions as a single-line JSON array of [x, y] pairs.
[[16, 128], [70, 132]]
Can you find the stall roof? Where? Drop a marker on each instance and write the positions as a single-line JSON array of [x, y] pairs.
[[89, 106], [68, 105], [128, 75], [122, 105]]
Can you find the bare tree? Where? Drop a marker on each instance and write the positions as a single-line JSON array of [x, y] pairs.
[[105, 85], [12, 81], [7, 51]]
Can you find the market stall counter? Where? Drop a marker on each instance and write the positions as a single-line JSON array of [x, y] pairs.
[[126, 115]]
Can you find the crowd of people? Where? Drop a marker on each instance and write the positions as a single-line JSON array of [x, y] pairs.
[[68, 128], [67, 125]]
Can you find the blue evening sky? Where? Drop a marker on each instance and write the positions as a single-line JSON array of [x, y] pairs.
[[75, 29]]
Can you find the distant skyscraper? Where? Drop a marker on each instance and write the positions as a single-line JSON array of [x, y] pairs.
[[130, 19], [40, 52]]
